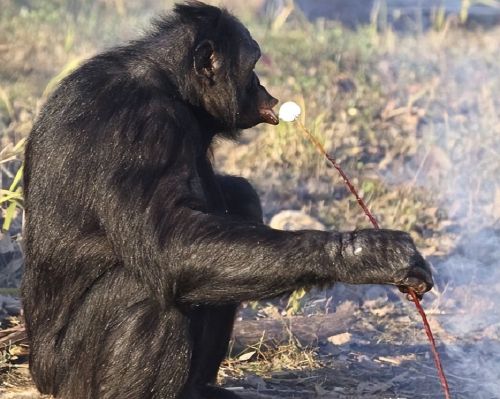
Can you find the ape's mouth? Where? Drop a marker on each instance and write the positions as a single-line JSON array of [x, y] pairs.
[[269, 116]]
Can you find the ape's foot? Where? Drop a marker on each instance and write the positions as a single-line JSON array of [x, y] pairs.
[[213, 392]]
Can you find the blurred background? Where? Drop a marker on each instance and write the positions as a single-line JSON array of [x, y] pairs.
[[405, 95]]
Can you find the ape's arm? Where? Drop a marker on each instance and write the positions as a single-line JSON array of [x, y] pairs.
[[233, 261], [225, 260], [189, 255], [186, 254]]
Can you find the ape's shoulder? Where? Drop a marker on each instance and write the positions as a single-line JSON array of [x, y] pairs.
[[105, 94]]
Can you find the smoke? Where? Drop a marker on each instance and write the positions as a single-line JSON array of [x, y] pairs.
[[458, 160], [470, 308]]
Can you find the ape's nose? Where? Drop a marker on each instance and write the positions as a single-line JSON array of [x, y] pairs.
[[272, 101]]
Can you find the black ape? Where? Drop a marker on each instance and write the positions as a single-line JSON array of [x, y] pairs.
[[137, 254]]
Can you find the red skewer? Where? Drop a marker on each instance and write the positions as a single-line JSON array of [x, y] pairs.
[[430, 336], [352, 189]]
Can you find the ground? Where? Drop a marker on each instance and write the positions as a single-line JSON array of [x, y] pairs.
[[413, 117]]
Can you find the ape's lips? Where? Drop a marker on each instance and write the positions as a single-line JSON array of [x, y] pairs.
[[269, 116]]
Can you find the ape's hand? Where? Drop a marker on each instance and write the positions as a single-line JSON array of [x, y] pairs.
[[384, 257]]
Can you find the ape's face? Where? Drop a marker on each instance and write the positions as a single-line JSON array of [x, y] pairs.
[[255, 103], [232, 92]]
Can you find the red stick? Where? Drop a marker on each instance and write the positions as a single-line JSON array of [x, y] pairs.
[[427, 327], [428, 331]]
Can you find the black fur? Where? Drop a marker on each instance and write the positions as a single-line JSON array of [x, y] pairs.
[[137, 254]]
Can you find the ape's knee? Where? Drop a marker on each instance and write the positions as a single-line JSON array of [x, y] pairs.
[[241, 198]]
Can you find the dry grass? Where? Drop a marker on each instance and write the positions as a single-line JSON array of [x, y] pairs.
[[268, 361]]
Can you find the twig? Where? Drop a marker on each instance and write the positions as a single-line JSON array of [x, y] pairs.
[[437, 359], [353, 190]]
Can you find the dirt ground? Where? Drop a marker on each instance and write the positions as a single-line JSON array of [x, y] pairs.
[[379, 351]]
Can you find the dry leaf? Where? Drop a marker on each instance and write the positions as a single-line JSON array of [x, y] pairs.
[[246, 356]]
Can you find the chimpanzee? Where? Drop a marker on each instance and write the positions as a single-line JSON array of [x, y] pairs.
[[137, 252]]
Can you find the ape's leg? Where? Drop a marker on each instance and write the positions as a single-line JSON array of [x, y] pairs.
[[120, 343], [241, 198], [211, 328], [212, 325]]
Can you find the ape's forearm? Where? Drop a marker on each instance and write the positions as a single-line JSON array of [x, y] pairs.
[[197, 257], [234, 262], [225, 261]]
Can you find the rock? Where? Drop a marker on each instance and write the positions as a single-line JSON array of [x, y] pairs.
[[295, 220], [9, 306], [11, 262], [340, 339], [255, 381]]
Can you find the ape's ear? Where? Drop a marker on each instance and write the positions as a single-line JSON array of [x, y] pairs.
[[206, 60]]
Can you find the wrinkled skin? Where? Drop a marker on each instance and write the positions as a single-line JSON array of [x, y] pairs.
[[137, 253]]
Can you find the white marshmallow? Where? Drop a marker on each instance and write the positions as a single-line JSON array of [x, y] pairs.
[[289, 111]]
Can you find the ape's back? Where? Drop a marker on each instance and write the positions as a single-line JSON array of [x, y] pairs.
[[75, 289]]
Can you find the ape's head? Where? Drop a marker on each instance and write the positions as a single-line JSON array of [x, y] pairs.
[[221, 77]]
